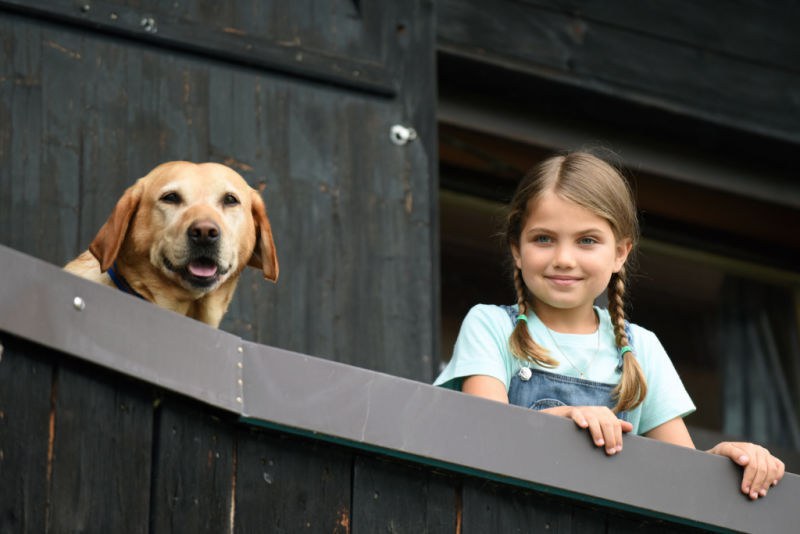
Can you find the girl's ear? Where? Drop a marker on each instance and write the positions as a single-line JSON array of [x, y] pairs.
[[264, 255], [516, 255], [106, 244], [623, 249]]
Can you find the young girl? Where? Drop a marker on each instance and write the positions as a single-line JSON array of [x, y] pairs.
[[571, 228]]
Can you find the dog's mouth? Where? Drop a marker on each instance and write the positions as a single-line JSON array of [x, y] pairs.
[[199, 272]]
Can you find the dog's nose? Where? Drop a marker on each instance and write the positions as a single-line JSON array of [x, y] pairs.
[[204, 232]]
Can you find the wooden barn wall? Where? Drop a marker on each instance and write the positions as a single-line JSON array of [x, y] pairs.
[[734, 64], [87, 450], [299, 97]]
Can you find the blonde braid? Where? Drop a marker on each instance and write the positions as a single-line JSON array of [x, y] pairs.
[[521, 343], [632, 387]]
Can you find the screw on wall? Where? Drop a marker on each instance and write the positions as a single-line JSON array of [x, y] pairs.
[[148, 24], [400, 135]]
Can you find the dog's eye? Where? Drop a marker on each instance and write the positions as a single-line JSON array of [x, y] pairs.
[[171, 198], [230, 200]]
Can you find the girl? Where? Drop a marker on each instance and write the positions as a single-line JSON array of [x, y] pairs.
[[571, 229]]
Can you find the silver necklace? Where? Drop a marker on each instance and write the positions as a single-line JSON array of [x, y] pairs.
[[582, 374]]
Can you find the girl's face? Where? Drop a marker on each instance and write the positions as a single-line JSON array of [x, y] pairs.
[[566, 254]]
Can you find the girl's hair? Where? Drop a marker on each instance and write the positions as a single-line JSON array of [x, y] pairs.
[[592, 184]]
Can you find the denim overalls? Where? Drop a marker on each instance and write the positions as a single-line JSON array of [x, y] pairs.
[[540, 389]]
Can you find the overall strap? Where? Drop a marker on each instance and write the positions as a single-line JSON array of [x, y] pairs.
[[623, 350], [512, 312]]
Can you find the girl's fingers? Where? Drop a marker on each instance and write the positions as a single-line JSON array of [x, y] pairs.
[[758, 488], [609, 429], [619, 438], [596, 431], [579, 418], [603, 425]]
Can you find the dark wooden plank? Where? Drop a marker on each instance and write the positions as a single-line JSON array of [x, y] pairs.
[[626, 63], [21, 93], [762, 32], [102, 452], [193, 468], [339, 49], [287, 484], [625, 524], [25, 434], [390, 496], [63, 59], [488, 507]]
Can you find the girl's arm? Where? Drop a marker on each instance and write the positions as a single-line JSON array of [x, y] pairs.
[[487, 387], [761, 469], [604, 426]]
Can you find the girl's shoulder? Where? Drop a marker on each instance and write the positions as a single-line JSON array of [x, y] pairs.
[[645, 343], [634, 330], [641, 335], [495, 320], [492, 316]]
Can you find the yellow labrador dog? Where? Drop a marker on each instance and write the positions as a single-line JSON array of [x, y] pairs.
[[180, 237]]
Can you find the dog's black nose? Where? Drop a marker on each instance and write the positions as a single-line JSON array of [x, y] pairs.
[[204, 232]]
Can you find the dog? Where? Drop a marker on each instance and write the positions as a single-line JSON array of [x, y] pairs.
[[180, 238]]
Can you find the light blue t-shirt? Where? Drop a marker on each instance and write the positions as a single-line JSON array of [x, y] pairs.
[[482, 349]]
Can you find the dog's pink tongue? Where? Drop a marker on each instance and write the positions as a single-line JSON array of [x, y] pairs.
[[202, 269]]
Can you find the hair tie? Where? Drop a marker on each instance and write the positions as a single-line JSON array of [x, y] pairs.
[[623, 350], [522, 317]]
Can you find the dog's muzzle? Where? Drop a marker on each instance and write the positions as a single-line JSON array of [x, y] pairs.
[[203, 268]]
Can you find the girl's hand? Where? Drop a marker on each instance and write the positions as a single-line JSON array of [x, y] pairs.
[[761, 469], [604, 426]]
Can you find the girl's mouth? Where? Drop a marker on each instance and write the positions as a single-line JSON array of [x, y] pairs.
[[563, 280]]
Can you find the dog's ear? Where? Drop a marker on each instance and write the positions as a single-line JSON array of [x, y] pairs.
[[106, 244], [264, 256]]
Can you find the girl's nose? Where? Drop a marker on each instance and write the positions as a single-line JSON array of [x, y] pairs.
[[563, 257]]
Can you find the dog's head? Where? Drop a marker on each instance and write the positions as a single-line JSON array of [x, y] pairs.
[[196, 224]]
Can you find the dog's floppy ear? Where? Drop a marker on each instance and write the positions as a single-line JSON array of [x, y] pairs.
[[106, 244], [264, 256]]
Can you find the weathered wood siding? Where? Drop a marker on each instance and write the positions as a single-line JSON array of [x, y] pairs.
[[299, 97], [733, 64], [87, 450]]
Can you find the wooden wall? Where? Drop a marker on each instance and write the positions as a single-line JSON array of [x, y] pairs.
[[732, 64], [88, 450], [299, 97]]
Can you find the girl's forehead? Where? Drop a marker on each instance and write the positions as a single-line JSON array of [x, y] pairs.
[[552, 208]]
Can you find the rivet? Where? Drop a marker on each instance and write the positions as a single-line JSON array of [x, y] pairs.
[[78, 303], [85, 8], [239, 400], [239, 365], [148, 24], [240, 348], [241, 382]]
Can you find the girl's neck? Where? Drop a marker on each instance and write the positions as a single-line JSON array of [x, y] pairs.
[[582, 320]]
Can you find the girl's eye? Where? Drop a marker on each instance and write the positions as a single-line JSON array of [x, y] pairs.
[[171, 198], [230, 200], [587, 241], [542, 239]]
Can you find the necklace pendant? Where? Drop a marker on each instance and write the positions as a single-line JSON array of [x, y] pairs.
[[525, 374]]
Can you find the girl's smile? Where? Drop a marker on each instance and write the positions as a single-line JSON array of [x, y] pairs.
[[567, 255]]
